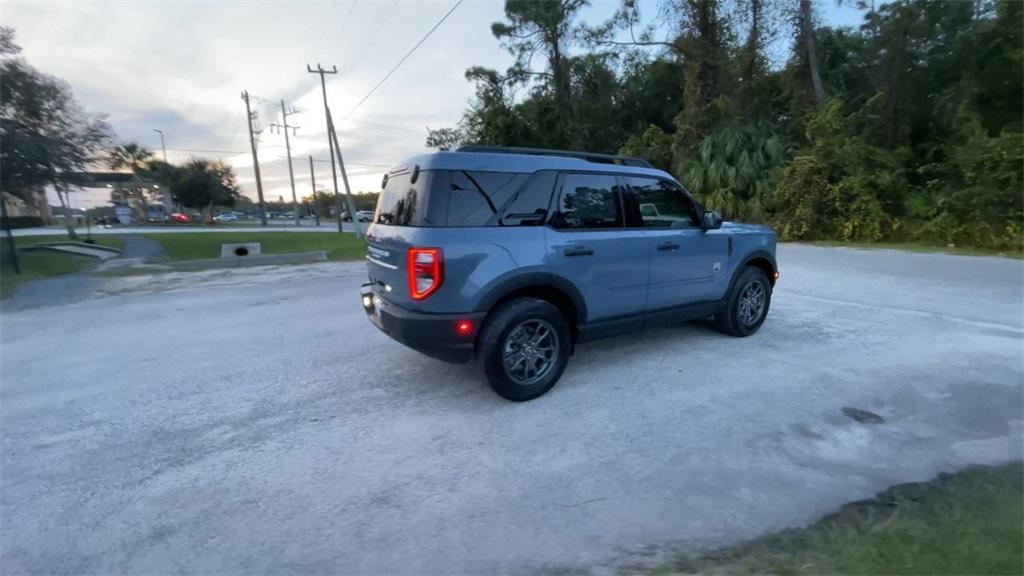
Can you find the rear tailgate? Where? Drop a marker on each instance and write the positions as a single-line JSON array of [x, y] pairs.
[[386, 250]]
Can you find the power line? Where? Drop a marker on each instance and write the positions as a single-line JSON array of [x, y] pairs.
[[372, 33], [344, 26], [403, 59], [202, 151], [384, 126], [327, 24], [355, 163]]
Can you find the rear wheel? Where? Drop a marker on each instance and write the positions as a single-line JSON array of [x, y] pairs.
[[747, 304], [525, 348]]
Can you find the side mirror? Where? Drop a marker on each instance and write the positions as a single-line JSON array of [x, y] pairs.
[[711, 220]]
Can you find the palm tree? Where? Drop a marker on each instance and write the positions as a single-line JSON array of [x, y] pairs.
[[133, 157], [734, 170], [130, 156]]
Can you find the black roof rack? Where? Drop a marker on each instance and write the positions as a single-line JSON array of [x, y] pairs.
[[588, 156]]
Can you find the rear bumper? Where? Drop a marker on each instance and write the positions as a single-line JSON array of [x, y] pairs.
[[434, 335]]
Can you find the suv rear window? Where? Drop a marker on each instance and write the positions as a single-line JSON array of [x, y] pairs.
[[406, 203], [463, 198]]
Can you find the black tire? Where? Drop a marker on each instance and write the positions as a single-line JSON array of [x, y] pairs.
[[503, 323], [733, 319]]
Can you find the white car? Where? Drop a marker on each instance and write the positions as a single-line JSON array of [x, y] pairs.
[[226, 218]]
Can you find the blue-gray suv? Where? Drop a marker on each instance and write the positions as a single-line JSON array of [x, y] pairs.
[[515, 255]]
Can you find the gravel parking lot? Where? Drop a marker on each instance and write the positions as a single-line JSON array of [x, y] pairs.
[[253, 421]]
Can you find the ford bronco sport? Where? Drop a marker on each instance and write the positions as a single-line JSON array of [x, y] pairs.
[[515, 255]]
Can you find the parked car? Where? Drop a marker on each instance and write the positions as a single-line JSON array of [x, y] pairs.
[[226, 218], [517, 255], [364, 215], [180, 218]]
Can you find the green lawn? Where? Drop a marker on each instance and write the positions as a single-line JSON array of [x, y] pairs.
[[964, 523], [44, 264], [921, 247], [194, 246]]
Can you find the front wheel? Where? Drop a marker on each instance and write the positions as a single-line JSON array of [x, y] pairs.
[[747, 304], [525, 348]]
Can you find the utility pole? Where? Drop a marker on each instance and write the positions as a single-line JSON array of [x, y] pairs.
[[288, 148], [330, 142], [255, 159], [331, 132], [316, 201]]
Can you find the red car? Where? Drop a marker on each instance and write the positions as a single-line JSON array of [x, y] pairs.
[[180, 218]]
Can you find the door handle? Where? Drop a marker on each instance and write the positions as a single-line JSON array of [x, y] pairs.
[[578, 251], [668, 246]]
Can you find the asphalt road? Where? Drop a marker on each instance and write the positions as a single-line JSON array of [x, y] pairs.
[[252, 421]]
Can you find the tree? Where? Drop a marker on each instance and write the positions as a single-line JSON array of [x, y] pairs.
[[734, 170], [705, 84], [46, 136], [805, 19], [546, 26], [201, 184], [135, 158], [445, 139]]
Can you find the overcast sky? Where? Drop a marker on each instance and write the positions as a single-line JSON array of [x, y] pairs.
[[180, 67]]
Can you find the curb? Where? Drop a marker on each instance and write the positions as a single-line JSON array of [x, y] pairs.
[[244, 261]]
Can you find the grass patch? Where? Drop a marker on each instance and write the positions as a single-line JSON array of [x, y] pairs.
[[35, 265], [197, 245], [964, 523], [921, 247]]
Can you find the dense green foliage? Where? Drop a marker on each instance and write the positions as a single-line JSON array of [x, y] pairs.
[[201, 183], [906, 128]]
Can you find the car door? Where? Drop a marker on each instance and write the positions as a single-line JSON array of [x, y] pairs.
[[685, 259], [588, 244]]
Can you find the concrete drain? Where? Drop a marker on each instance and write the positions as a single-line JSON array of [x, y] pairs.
[[863, 416]]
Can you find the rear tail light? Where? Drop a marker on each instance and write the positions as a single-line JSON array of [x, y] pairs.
[[426, 271]]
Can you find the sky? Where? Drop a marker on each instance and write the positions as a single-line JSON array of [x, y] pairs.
[[180, 67]]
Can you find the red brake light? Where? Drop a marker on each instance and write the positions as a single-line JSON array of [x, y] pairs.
[[426, 270], [464, 327]]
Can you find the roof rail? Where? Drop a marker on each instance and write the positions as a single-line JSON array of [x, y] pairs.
[[588, 156]]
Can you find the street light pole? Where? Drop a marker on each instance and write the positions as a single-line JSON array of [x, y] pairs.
[[167, 193], [162, 144]]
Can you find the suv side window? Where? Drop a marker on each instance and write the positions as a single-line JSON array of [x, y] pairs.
[[529, 205], [588, 201], [662, 204]]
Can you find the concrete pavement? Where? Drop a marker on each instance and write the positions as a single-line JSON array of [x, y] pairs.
[[253, 422]]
